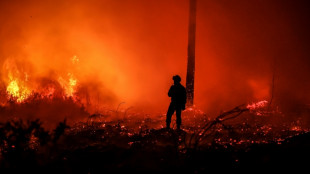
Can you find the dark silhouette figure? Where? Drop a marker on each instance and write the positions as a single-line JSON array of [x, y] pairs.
[[177, 92]]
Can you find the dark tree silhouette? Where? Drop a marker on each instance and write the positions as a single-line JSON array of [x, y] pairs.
[[190, 76]]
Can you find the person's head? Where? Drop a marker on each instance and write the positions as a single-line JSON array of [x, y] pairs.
[[176, 79]]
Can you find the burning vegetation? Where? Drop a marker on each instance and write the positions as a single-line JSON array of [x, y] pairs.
[[116, 141], [68, 66], [93, 139], [20, 85]]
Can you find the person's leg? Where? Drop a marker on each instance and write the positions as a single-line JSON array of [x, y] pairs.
[[169, 115], [178, 113]]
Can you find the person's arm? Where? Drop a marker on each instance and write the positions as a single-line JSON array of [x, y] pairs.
[[170, 91]]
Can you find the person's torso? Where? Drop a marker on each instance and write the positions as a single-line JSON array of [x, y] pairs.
[[177, 93]]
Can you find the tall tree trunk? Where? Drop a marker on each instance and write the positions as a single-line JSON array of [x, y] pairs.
[[190, 76]]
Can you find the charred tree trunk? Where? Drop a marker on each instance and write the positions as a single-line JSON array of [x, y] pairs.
[[190, 76]]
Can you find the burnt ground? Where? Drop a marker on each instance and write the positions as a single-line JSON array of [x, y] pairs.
[[111, 148]]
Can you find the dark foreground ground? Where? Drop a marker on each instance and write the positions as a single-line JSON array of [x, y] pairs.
[[27, 148]]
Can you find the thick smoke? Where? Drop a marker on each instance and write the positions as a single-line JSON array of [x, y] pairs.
[[128, 50]]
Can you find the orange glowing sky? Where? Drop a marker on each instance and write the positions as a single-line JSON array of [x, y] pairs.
[[129, 50]]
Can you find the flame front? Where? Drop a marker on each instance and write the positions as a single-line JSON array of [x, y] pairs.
[[20, 85], [72, 85], [17, 91]]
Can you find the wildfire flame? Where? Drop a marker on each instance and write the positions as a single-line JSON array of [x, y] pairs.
[[19, 85], [69, 85], [16, 90]]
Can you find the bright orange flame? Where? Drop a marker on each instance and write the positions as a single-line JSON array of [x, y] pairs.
[[20, 87], [16, 90], [69, 85]]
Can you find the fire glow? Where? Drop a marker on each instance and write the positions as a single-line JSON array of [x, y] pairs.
[[90, 51], [257, 105], [83, 85], [17, 89]]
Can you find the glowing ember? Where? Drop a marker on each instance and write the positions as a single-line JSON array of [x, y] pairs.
[[257, 105], [48, 92], [75, 59], [296, 128]]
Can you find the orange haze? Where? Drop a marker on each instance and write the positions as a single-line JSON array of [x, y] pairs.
[[128, 50]]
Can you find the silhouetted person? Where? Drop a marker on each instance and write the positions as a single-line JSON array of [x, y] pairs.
[[177, 92]]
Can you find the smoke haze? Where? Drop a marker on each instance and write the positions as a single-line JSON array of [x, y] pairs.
[[128, 50]]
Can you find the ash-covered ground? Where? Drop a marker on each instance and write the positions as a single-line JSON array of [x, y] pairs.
[[248, 137]]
